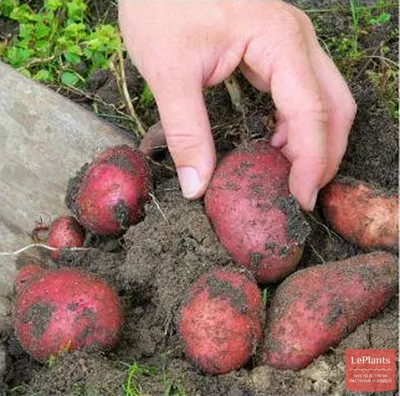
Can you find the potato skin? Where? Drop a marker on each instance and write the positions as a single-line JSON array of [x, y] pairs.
[[221, 323], [109, 194], [65, 232], [26, 275], [315, 308], [253, 213], [65, 309], [362, 213]]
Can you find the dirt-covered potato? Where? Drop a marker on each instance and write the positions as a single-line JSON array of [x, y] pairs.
[[254, 215], [362, 213], [221, 323], [315, 308]]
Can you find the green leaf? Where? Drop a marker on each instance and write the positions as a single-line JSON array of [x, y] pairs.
[[74, 48], [72, 58], [99, 60], [146, 97], [94, 43], [43, 75], [7, 6], [42, 31], [26, 30], [53, 5], [380, 19], [26, 73], [68, 78], [44, 49], [384, 17], [75, 30], [76, 10], [17, 56], [21, 14]]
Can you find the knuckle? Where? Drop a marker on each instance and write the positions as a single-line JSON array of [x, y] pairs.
[[292, 22], [352, 108], [181, 142], [304, 20], [316, 108], [347, 109]]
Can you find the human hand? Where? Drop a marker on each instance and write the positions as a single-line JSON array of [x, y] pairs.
[[181, 47]]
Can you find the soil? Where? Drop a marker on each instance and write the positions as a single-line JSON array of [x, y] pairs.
[[154, 264]]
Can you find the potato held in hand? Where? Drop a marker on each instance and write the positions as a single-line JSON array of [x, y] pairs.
[[221, 324], [109, 195], [64, 309], [315, 308], [253, 213], [362, 213]]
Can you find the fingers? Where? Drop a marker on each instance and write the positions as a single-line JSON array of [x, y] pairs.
[[341, 109], [280, 136], [300, 103], [184, 118]]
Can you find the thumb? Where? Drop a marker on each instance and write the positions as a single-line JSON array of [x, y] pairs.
[[185, 121]]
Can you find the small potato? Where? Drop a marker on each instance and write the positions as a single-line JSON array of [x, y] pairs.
[[109, 194], [315, 308], [254, 215], [362, 213], [65, 232], [221, 323]]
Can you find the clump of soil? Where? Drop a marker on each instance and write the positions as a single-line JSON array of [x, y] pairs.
[[80, 373]]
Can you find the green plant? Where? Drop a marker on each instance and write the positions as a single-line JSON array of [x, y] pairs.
[[385, 83], [6, 7], [266, 295], [131, 386], [381, 19], [146, 98], [56, 44], [355, 16], [172, 387]]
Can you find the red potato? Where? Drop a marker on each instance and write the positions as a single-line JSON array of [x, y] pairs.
[[221, 323], [315, 308], [65, 232], [26, 275], [253, 213], [109, 195], [64, 309], [362, 213]]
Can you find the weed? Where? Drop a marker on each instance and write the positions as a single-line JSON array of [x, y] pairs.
[[385, 82], [381, 19], [355, 16], [131, 386], [146, 98], [55, 43], [266, 295], [171, 386], [135, 371]]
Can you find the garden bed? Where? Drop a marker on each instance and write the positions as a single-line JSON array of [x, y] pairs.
[[157, 260]]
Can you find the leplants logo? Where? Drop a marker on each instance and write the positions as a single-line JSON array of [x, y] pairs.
[[371, 370]]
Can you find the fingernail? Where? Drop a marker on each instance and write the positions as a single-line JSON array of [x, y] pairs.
[[189, 179], [277, 140], [274, 141], [313, 200]]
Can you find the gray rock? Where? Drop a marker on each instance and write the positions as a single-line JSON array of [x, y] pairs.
[[3, 362], [5, 314], [44, 139]]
